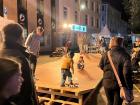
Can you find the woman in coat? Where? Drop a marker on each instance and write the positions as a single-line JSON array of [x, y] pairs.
[[122, 62]]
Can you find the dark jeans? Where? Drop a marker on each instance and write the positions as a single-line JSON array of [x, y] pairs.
[[64, 74], [33, 61], [113, 96]]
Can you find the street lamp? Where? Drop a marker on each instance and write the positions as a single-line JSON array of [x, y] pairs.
[[70, 25], [82, 6], [65, 25], [68, 29]]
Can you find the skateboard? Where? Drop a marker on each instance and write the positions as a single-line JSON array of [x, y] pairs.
[[74, 85]]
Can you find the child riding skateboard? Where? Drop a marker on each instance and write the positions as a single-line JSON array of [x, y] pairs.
[[67, 65], [80, 64]]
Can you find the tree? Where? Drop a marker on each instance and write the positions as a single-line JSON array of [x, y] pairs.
[[135, 15], [132, 8], [126, 4]]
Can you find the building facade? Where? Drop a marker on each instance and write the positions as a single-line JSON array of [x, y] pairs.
[[30, 14], [113, 19], [80, 12], [56, 16]]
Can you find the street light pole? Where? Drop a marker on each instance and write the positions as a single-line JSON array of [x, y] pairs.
[[81, 7], [79, 12]]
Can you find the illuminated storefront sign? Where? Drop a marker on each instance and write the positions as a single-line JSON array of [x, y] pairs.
[[79, 28]]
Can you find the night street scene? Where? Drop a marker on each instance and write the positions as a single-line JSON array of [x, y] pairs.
[[69, 52]]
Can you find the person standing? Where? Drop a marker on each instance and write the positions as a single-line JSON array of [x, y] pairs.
[[68, 47], [102, 45], [32, 44], [80, 42], [122, 62], [12, 46], [85, 43]]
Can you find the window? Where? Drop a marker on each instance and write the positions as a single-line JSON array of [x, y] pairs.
[[97, 23], [76, 16], [40, 18], [86, 3], [86, 19], [97, 8], [22, 4], [22, 15], [92, 6], [92, 21], [65, 12], [103, 19], [103, 8], [40, 6], [1, 7], [76, 1]]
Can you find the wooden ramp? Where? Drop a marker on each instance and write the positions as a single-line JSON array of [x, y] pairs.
[[64, 96], [48, 85]]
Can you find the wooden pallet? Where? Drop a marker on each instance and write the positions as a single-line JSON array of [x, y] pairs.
[[64, 96]]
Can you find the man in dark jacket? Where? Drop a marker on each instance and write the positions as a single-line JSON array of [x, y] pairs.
[[12, 47], [122, 62]]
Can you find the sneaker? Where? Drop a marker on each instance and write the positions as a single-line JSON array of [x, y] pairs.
[[62, 85], [71, 83]]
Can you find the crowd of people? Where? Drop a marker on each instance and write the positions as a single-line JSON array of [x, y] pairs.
[[18, 63]]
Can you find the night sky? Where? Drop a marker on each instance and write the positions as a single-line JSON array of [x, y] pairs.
[[118, 4]]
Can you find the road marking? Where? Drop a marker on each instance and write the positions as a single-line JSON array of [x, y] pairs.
[[137, 88]]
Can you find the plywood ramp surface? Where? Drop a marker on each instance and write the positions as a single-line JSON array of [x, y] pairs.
[[49, 74]]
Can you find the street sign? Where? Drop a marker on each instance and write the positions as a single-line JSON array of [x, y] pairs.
[[79, 28]]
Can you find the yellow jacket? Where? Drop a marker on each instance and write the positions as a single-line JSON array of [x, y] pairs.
[[67, 63]]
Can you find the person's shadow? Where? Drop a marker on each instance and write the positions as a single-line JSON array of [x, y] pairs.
[[85, 73], [95, 97]]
